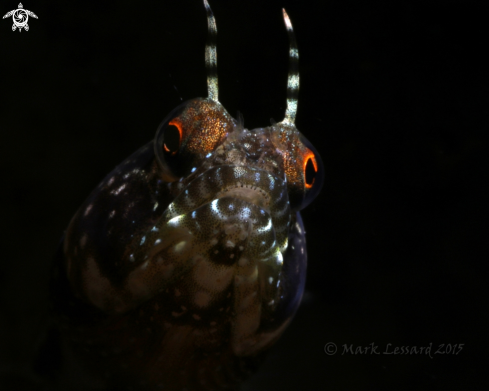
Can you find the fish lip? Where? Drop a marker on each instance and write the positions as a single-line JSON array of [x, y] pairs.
[[242, 186], [248, 193]]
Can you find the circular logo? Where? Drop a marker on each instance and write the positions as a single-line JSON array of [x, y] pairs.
[[330, 348], [20, 17]]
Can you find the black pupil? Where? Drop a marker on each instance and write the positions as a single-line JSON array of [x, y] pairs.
[[172, 139], [310, 172]]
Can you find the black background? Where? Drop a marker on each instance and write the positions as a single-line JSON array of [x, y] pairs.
[[394, 96]]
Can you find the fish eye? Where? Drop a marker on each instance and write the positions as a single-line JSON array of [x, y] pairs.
[[187, 134], [168, 146], [172, 138], [310, 170], [313, 174]]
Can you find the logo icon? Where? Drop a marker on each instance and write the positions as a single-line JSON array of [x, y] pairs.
[[20, 16]]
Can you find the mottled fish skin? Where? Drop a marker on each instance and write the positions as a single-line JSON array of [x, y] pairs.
[[187, 263]]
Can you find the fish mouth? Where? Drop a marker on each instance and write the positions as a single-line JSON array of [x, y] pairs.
[[259, 188], [248, 193]]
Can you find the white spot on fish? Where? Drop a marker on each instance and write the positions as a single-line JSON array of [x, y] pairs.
[[175, 221], [246, 212], [87, 211], [267, 227], [179, 246], [214, 207], [118, 190], [298, 228], [279, 258]]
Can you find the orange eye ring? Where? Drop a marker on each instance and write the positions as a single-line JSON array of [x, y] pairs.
[[309, 157], [177, 124]]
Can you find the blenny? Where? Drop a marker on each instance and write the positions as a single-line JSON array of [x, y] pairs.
[[188, 261]]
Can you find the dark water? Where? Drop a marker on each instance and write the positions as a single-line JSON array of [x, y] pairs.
[[393, 95]]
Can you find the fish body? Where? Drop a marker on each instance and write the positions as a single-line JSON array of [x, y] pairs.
[[188, 261]]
